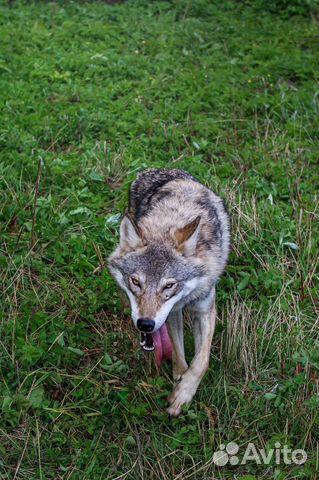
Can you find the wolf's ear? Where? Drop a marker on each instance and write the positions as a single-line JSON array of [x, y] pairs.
[[187, 236], [130, 236]]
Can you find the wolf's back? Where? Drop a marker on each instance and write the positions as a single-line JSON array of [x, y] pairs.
[[162, 200], [147, 188]]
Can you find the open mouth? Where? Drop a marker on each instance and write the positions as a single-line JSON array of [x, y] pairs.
[[146, 342], [159, 342]]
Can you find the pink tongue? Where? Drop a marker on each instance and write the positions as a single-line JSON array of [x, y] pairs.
[[163, 345]]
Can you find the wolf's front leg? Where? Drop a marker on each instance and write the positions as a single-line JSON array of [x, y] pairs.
[[204, 325], [175, 329]]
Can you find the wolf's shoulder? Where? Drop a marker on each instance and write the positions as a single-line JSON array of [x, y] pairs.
[[149, 185]]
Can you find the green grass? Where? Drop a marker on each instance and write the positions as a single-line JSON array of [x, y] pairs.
[[94, 93]]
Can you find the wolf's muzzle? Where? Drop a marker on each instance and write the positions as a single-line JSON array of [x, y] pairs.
[[145, 325]]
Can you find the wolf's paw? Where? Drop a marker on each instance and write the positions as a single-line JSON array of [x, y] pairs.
[[180, 396]]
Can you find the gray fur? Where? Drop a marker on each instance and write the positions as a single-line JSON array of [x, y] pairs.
[[148, 189]]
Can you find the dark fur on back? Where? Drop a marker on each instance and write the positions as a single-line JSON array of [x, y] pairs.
[[147, 188]]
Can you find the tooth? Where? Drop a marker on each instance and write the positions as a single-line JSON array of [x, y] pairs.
[[148, 349]]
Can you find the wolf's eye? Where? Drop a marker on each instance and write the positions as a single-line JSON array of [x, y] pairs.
[[135, 282], [168, 286]]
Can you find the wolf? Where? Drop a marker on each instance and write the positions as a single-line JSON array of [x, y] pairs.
[[173, 247]]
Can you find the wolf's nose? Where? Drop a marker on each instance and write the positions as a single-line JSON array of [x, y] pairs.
[[145, 324]]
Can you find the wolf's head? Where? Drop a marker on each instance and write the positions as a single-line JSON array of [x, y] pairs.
[[155, 275]]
